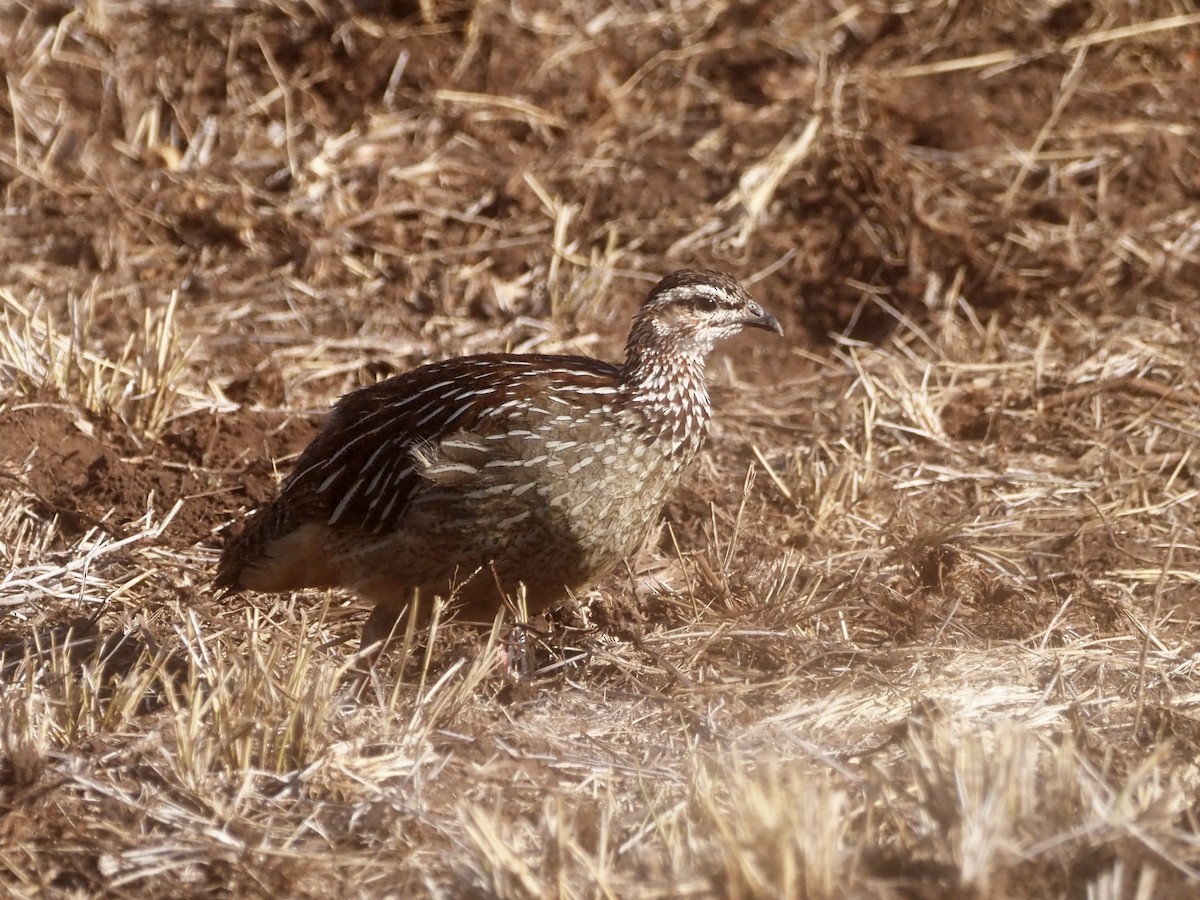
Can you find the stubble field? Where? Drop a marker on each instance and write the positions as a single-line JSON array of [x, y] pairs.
[[921, 622]]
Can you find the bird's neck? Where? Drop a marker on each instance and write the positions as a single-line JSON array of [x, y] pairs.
[[665, 383]]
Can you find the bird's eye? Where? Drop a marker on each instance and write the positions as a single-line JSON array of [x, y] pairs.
[[706, 303]]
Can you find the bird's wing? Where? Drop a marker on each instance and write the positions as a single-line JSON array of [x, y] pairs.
[[360, 471]]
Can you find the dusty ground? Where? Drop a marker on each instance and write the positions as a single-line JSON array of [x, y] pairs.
[[922, 621]]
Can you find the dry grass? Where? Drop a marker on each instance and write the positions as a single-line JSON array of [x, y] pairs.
[[921, 623]]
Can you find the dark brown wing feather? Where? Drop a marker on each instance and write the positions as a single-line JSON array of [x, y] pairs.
[[358, 474]]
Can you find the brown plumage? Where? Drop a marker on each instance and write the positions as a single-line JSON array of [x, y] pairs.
[[477, 474]]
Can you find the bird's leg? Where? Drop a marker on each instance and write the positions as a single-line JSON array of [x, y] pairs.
[[379, 631]]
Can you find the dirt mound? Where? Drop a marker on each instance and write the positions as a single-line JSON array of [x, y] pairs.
[[92, 474]]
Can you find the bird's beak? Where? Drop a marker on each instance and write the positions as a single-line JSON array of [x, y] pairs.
[[760, 318]]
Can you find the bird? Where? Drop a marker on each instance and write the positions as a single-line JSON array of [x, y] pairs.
[[478, 476]]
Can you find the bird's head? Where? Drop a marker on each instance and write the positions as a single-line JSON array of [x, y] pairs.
[[690, 310]]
